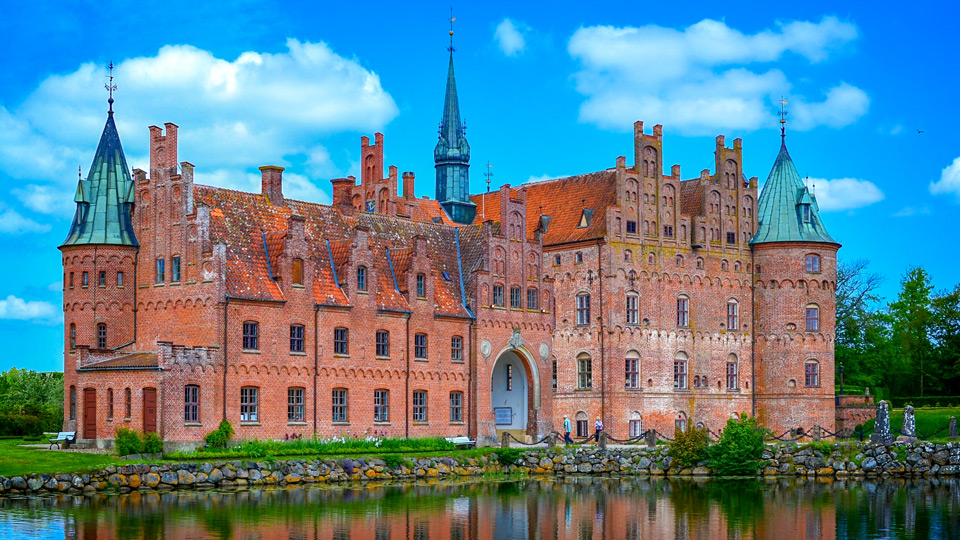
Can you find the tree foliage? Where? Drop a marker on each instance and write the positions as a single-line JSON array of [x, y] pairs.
[[739, 449], [30, 402]]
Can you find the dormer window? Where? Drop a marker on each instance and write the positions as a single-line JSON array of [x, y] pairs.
[[805, 212], [585, 218], [362, 278], [421, 286]]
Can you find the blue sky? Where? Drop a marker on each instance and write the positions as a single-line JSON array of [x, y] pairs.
[[547, 90]]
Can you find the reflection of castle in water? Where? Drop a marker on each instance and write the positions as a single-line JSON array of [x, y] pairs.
[[574, 508]]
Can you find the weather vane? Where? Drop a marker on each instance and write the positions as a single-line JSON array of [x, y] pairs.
[[489, 174], [452, 18], [783, 118], [110, 87]]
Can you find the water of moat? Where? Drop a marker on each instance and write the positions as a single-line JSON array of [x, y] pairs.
[[572, 508]]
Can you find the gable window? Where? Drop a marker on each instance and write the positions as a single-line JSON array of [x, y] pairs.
[[295, 406], [583, 309], [420, 346], [813, 318], [362, 278], [633, 308], [339, 405], [805, 210], [86, 280], [811, 373], [498, 295], [73, 402], [102, 278], [251, 336], [668, 231], [191, 403], [456, 406], [421, 286], [683, 311], [515, 298], [119, 279], [383, 343], [101, 336], [296, 338], [340, 341], [732, 372], [731, 238], [73, 336], [127, 403], [419, 405], [249, 404], [584, 371], [110, 403], [680, 371], [733, 315], [175, 269], [456, 349], [532, 299], [381, 405], [813, 264], [160, 270], [297, 272], [632, 370], [631, 226]]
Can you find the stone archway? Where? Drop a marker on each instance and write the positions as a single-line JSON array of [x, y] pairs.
[[514, 394]]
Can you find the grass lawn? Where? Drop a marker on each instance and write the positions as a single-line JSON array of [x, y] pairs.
[[930, 420], [16, 460]]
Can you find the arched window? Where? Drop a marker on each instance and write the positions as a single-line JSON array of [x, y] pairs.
[[362, 278], [696, 382], [683, 311], [680, 371], [636, 424], [627, 256], [679, 260], [582, 428], [699, 263], [110, 403], [127, 403], [583, 309], [633, 308], [812, 263], [736, 266], [584, 371], [651, 258], [73, 336], [733, 315], [811, 373], [812, 316], [680, 424], [632, 370], [733, 372], [723, 265]]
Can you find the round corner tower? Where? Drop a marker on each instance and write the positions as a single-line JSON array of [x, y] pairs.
[[795, 274]]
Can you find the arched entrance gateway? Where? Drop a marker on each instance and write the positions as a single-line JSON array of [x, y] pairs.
[[515, 394]]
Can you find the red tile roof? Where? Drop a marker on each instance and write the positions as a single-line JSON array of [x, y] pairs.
[[691, 197], [137, 360]]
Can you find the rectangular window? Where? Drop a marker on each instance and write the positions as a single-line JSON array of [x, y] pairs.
[[680, 374], [362, 278], [73, 402], [249, 404], [251, 338], [119, 279], [175, 269], [421, 286], [584, 373], [456, 406], [578, 257], [381, 405], [813, 319], [339, 402], [813, 263], [632, 370], [110, 403], [456, 349], [583, 309], [553, 370], [86, 279], [636, 428], [71, 280], [733, 316], [296, 338], [420, 406], [683, 311], [631, 226], [191, 403], [581, 428], [298, 272], [731, 375], [101, 336], [498, 295], [668, 231], [295, 408], [102, 278], [633, 309], [420, 346], [811, 374], [127, 403], [340, 341], [160, 271], [383, 343], [515, 298], [532, 299], [556, 260], [731, 238]]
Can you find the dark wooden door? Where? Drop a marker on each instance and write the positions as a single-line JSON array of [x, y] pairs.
[[89, 413], [149, 410]]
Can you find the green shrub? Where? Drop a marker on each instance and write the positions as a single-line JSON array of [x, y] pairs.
[[127, 441], [392, 461], [823, 447], [689, 448], [219, 437], [152, 443], [22, 425], [739, 449], [508, 456]]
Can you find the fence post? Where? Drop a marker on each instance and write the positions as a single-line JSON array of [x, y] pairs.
[[505, 440], [952, 432], [651, 438], [602, 440], [793, 434], [816, 433], [552, 439]]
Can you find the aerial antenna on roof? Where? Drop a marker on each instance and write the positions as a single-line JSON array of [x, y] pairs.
[[452, 18], [783, 119], [489, 174], [110, 87]]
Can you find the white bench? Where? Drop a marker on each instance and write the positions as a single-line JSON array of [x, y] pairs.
[[64, 438], [462, 441]]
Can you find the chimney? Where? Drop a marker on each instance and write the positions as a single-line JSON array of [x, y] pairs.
[[343, 191], [271, 184], [408, 186]]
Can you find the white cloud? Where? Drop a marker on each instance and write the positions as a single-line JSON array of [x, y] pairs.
[[949, 180], [235, 114], [702, 78], [908, 211], [27, 310], [844, 193], [12, 222], [295, 186], [509, 37]]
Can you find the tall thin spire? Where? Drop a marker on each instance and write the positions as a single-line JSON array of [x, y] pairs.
[[110, 88], [452, 18], [783, 120]]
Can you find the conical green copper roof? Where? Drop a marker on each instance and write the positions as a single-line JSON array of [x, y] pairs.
[[453, 142], [787, 211], [105, 197]]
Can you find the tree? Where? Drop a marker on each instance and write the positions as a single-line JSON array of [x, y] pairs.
[[912, 315], [945, 333], [862, 339]]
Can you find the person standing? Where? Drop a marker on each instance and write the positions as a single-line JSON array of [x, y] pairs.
[[598, 425], [567, 426]]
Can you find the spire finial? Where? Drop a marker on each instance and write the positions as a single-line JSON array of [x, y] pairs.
[[489, 175], [783, 119], [452, 18], [110, 88]]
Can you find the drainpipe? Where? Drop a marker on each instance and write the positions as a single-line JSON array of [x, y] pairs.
[[472, 428], [753, 335], [603, 364], [316, 364], [226, 346], [406, 394]]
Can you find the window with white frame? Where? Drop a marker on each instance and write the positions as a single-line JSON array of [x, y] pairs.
[[811, 373], [733, 372], [683, 311], [584, 371], [733, 315], [419, 405], [680, 371], [381, 405], [633, 308], [632, 370], [456, 406], [249, 404], [583, 309], [295, 408], [339, 405]]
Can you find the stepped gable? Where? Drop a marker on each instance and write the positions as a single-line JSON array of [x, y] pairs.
[[563, 200]]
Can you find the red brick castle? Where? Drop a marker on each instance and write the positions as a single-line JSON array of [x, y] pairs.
[[640, 298]]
